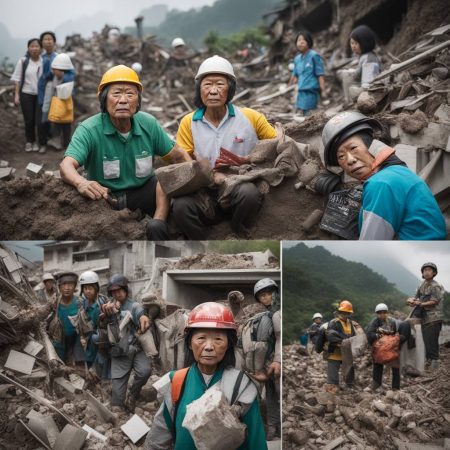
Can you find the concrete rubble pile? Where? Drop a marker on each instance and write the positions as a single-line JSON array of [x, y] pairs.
[[415, 417]]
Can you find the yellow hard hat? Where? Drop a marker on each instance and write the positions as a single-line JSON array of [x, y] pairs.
[[119, 74], [345, 306]]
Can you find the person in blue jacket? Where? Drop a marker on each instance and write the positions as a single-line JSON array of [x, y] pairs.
[[308, 73], [210, 360], [396, 203]]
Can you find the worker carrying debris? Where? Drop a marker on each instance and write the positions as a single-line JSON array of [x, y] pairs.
[[210, 341], [125, 318], [428, 305], [330, 341], [116, 148], [396, 203], [49, 292], [313, 330], [222, 134], [60, 328], [308, 73], [385, 336]]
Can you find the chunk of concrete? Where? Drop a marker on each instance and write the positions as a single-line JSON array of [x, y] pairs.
[[20, 362], [94, 434], [135, 428], [77, 381], [6, 173], [34, 170], [33, 347], [4, 163], [435, 135], [70, 438], [443, 113], [213, 423], [43, 426], [408, 154], [67, 385]]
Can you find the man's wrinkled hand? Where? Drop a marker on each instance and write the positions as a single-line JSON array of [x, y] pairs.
[[92, 190], [274, 369]]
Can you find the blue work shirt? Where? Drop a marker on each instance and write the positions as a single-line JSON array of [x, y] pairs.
[[396, 203]]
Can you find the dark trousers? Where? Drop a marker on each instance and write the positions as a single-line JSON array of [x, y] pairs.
[[431, 339], [377, 375], [144, 198], [32, 117], [64, 130], [191, 220], [44, 127], [273, 403], [333, 367]]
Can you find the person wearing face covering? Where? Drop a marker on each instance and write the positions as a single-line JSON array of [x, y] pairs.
[[396, 203]]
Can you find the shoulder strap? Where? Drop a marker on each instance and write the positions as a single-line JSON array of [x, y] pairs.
[[25, 62], [178, 382], [237, 385]]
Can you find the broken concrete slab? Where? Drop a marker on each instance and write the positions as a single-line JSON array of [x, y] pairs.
[[43, 426], [101, 411], [443, 113], [94, 434], [67, 385], [34, 170], [435, 135], [71, 437], [10, 312], [408, 154], [20, 362], [33, 347], [3, 163], [6, 173], [77, 381], [135, 428], [334, 443]]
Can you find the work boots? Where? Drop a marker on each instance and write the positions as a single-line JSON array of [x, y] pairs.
[[434, 364]]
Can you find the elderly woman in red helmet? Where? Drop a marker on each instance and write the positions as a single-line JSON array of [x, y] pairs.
[[116, 148], [210, 342]]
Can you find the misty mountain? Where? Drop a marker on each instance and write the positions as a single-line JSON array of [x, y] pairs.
[[315, 280], [10, 47]]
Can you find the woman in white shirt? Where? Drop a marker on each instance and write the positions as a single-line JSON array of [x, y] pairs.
[[26, 75]]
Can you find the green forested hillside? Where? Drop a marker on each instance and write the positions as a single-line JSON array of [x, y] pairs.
[[224, 17], [314, 280]]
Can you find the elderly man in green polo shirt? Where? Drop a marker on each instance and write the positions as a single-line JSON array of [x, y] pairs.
[[116, 148]]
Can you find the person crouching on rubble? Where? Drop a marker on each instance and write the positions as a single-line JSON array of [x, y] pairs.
[[116, 148], [308, 73], [266, 293], [396, 203], [339, 328], [60, 328], [362, 42], [126, 353], [384, 325], [221, 134], [210, 341]]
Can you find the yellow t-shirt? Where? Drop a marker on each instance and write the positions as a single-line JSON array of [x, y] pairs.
[[337, 354]]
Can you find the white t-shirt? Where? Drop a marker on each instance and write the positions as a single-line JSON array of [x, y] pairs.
[[32, 74]]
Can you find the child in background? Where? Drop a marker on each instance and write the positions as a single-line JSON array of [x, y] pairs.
[[308, 73], [63, 73]]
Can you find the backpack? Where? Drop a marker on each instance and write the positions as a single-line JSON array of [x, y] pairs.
[[257, 341]]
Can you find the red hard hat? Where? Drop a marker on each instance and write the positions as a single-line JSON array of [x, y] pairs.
[[211, 315]]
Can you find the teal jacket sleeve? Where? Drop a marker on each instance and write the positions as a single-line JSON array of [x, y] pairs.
[[256, 437]]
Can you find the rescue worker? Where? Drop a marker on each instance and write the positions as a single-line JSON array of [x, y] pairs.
[[428, 306], [382, 325], [177, 68], [61, 330], [116, 147], [308, 73], [266, 293], [49, 292], [396, 203], [217, 124], [126, 354], [339, 328], [210, 339], [91, 302], [313, 330]]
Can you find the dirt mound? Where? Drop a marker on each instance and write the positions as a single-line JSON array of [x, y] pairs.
[[46, 208], [216, 261]]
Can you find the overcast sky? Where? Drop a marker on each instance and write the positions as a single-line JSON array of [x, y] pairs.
[[25, 18], [410, 254]]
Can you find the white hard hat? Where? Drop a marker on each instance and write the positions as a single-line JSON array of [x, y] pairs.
[[215, 64], [381, 307], [62, 62], [88, 277], [137, 67], [177, 42], [317, 316], [114, 32], [48, 276]]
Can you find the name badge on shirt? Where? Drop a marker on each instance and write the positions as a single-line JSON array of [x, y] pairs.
[[238, 140]]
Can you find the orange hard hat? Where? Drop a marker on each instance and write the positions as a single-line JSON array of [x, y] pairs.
[[211, 315], [345, 306], [119, 74]]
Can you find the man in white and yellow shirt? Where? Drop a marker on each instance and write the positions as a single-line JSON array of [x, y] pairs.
[[218, 124]]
